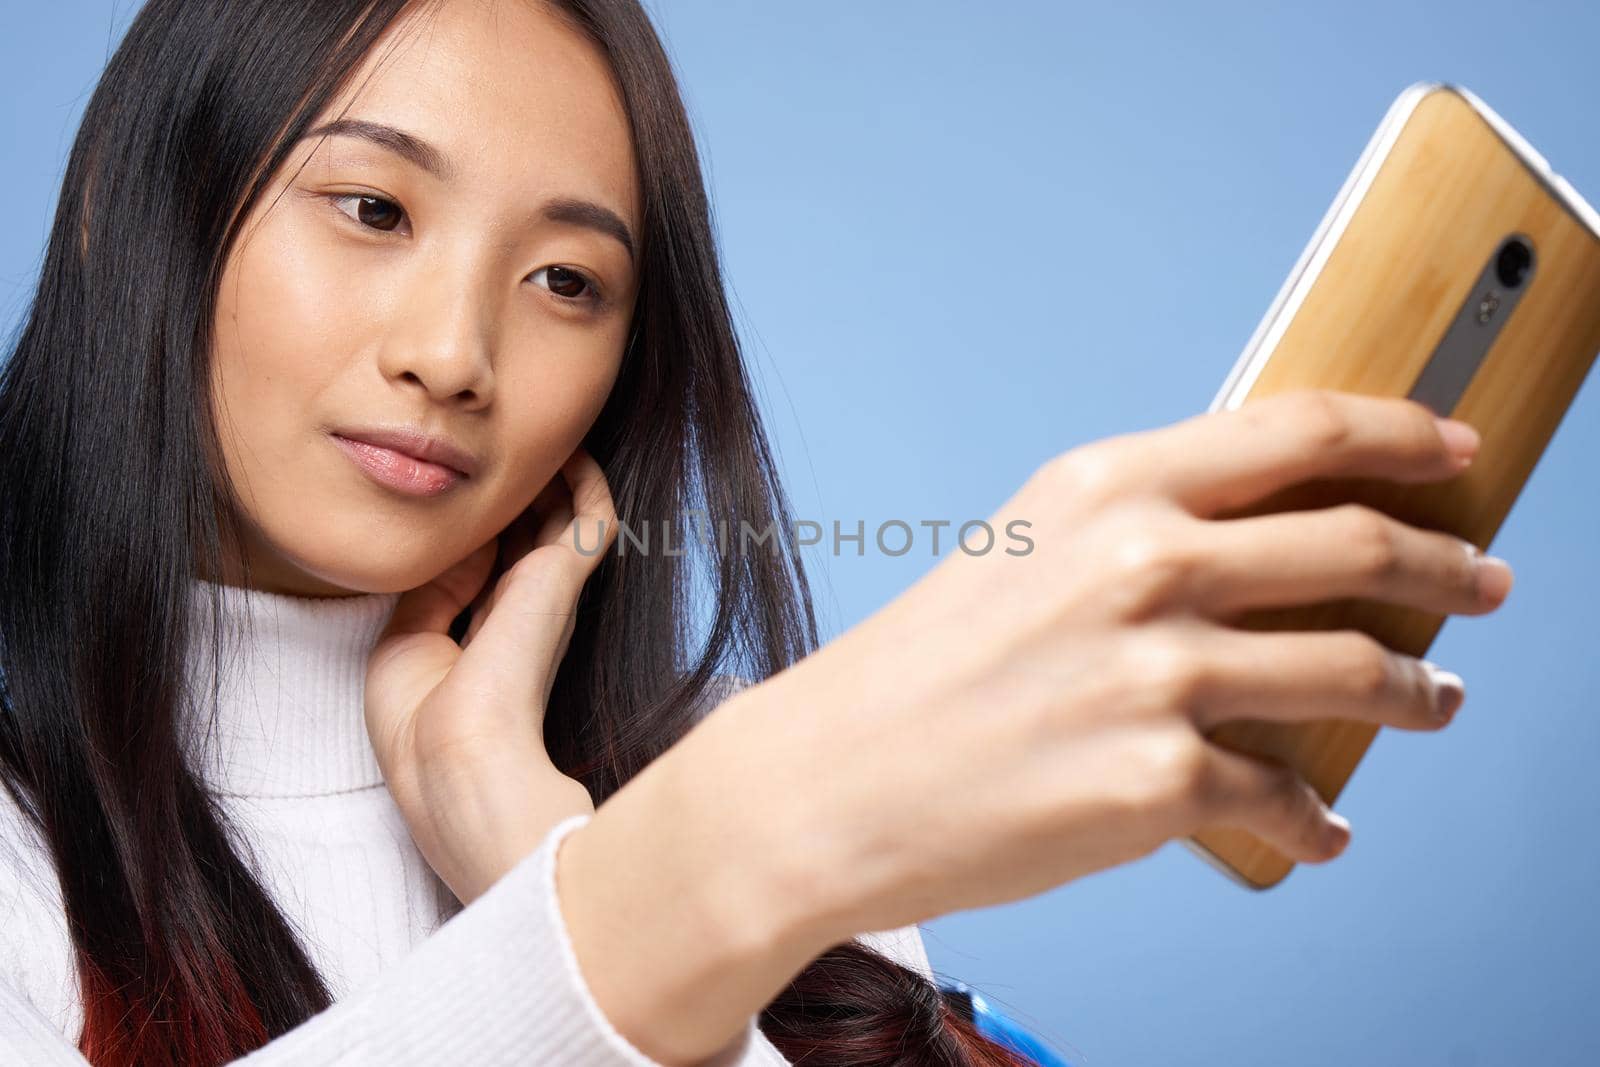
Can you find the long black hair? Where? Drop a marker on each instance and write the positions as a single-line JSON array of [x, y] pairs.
[[114, 500]]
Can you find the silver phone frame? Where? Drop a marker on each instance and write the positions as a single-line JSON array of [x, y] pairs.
[[1303, 275]]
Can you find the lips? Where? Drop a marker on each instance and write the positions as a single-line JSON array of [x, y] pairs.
[[415, 444]]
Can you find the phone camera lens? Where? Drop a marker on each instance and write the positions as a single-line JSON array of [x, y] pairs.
[[1511, 265]]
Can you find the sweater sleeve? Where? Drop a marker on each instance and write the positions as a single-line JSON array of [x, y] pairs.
[[497, 983]]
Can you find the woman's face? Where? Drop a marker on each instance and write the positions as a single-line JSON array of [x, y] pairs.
[[453, 260]]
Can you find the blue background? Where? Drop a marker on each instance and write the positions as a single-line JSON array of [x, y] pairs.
[[963, 237]]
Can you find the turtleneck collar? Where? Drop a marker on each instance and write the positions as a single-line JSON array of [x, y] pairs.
[[289, 718]]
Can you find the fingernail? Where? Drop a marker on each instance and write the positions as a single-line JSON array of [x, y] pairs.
[[1494, 578], [1339, 831], [1449, 691], [1459, 437]]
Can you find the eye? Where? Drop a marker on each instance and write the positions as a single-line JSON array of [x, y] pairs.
[[570, 285], [375, 212]]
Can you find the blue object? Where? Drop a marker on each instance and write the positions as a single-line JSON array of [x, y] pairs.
[[1000, 1028]]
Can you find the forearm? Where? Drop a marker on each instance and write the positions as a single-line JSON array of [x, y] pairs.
[[686, 913]]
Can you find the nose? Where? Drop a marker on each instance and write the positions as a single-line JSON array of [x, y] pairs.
[[441, 340]]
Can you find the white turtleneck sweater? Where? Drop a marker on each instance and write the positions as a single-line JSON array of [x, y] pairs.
[[416, 978]]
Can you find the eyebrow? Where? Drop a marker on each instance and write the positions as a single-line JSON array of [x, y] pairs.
[[570, 210]]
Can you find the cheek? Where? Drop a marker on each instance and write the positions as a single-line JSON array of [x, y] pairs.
[[560, 401], [281, 310], [281, 321]]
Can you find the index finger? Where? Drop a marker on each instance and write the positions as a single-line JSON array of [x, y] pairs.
[[593, 524], [1221, 460]]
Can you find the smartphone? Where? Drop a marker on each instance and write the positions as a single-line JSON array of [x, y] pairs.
[[1455, 268]]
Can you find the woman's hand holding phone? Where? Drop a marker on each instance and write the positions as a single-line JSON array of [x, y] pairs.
[[1011, 723], [1008, 724]]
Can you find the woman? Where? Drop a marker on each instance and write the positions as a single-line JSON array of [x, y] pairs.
[[218, 240], [339, 727]]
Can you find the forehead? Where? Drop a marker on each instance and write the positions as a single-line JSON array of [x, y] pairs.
[[521, 103]]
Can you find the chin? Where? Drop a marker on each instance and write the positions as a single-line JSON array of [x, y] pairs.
[[373, 568]]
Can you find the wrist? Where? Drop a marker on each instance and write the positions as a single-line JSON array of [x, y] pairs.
[[795, 825], [776, 852], [678, 917], [483, 815]]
